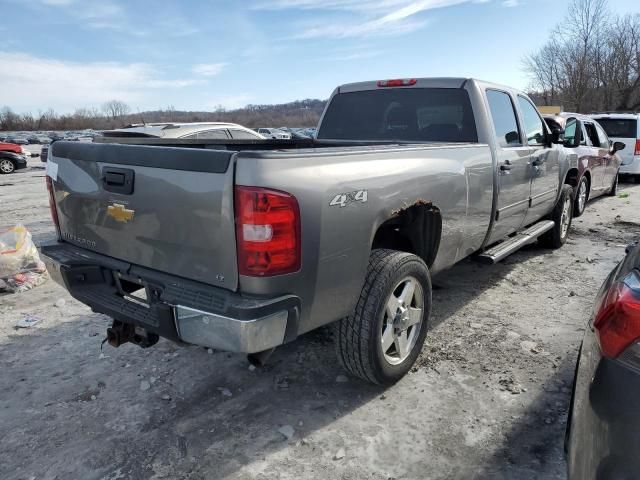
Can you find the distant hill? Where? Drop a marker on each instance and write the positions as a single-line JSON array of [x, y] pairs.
[[301, 113]]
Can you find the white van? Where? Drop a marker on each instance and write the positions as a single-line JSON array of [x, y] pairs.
[[624, 127]]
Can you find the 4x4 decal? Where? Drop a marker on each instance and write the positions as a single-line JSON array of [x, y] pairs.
[[344, 199]]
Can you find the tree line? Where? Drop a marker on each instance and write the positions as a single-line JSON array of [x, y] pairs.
[[116, 114], [590, 62]]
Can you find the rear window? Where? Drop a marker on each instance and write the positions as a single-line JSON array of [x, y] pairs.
[[401, 114], [619, 128]]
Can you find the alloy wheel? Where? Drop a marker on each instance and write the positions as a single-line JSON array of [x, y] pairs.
[[565, 219], [582, 196], [403, 319], [6, 166]]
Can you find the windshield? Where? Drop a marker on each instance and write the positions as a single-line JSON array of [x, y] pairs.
[[401, 114], [619, 128]]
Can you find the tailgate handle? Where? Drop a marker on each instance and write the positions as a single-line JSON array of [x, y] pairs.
[[118, 180]]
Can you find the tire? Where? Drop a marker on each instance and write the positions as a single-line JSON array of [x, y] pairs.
[[562, 215], [613, 191], [582, 197], [359, 337], [7, 166]]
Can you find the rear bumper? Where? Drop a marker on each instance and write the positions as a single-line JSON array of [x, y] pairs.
[[176, 308], [633, 168]]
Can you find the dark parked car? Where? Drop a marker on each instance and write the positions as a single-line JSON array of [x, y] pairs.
[[598, 165], [603, 433], [17, 140], [10, 162]]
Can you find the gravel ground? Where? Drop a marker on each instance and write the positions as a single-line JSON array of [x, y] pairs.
[[487, 399]]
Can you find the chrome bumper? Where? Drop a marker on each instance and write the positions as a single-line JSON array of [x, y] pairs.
[[230, 334]]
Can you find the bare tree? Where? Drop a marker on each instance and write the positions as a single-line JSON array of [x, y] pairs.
[[590, 62], [115, 109]]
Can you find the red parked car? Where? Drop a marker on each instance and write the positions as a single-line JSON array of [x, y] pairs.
[[597, 164], [12, 147]]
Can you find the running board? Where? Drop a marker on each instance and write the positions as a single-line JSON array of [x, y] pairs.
[[506, 248]]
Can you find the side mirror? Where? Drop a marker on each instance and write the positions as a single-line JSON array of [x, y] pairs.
[[512, 138], [617, 146], [557, 135]]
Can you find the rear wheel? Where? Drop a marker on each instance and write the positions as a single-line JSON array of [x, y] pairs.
[[562, 215], [6, 166], [382, 338], [582, 197]]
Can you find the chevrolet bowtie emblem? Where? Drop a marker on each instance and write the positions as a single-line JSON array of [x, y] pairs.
[[119, 212]]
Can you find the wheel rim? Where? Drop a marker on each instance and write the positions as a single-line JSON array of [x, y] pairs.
[[6, 166], [403, 319], [565, 219], [582, 196]]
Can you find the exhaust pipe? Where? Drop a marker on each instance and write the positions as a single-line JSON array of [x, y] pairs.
[[259, 359]]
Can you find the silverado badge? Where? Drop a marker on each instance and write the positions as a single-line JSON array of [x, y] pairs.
[[119, 212]]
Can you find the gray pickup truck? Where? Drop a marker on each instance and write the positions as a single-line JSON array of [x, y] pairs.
[[244, 245]]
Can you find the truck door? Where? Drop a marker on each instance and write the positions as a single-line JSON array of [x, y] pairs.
[[514, 173], [544, 162]]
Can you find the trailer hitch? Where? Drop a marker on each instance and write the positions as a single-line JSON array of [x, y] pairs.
[[121, 332]]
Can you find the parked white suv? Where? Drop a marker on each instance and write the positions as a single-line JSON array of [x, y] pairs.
[[274, 133], [625, 128]]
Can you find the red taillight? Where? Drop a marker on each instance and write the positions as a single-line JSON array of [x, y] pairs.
[[400, 82], [617, 320], [637, 152], [267, 231], [52, 204]]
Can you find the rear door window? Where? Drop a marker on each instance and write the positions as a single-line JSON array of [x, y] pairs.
[[504, 119], [401, 114], [619, 128], [213, 134], [243, 134]]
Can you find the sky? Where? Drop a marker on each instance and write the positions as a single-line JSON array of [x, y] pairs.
[[200, 55]]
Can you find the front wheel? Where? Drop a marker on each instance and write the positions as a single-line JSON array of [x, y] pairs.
[[562, 215], [582, 196], [6, 166], [382, 338]]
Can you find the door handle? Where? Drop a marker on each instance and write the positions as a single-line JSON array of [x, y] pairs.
[[538, 161], [506, 166]]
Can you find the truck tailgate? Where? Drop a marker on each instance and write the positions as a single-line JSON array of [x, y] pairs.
[[168, 209]]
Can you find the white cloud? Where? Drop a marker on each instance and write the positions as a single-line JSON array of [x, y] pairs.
[[511, 3], [208, 69], [396, 21], [30, 83], [348, 5]]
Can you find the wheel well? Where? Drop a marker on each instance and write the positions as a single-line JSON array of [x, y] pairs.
[[572, 177], [415, 229], [587, 175]]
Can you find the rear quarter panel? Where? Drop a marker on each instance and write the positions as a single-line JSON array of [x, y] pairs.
[[336, 240]]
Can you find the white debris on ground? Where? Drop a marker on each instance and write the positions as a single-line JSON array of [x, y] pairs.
[[488, 397]]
